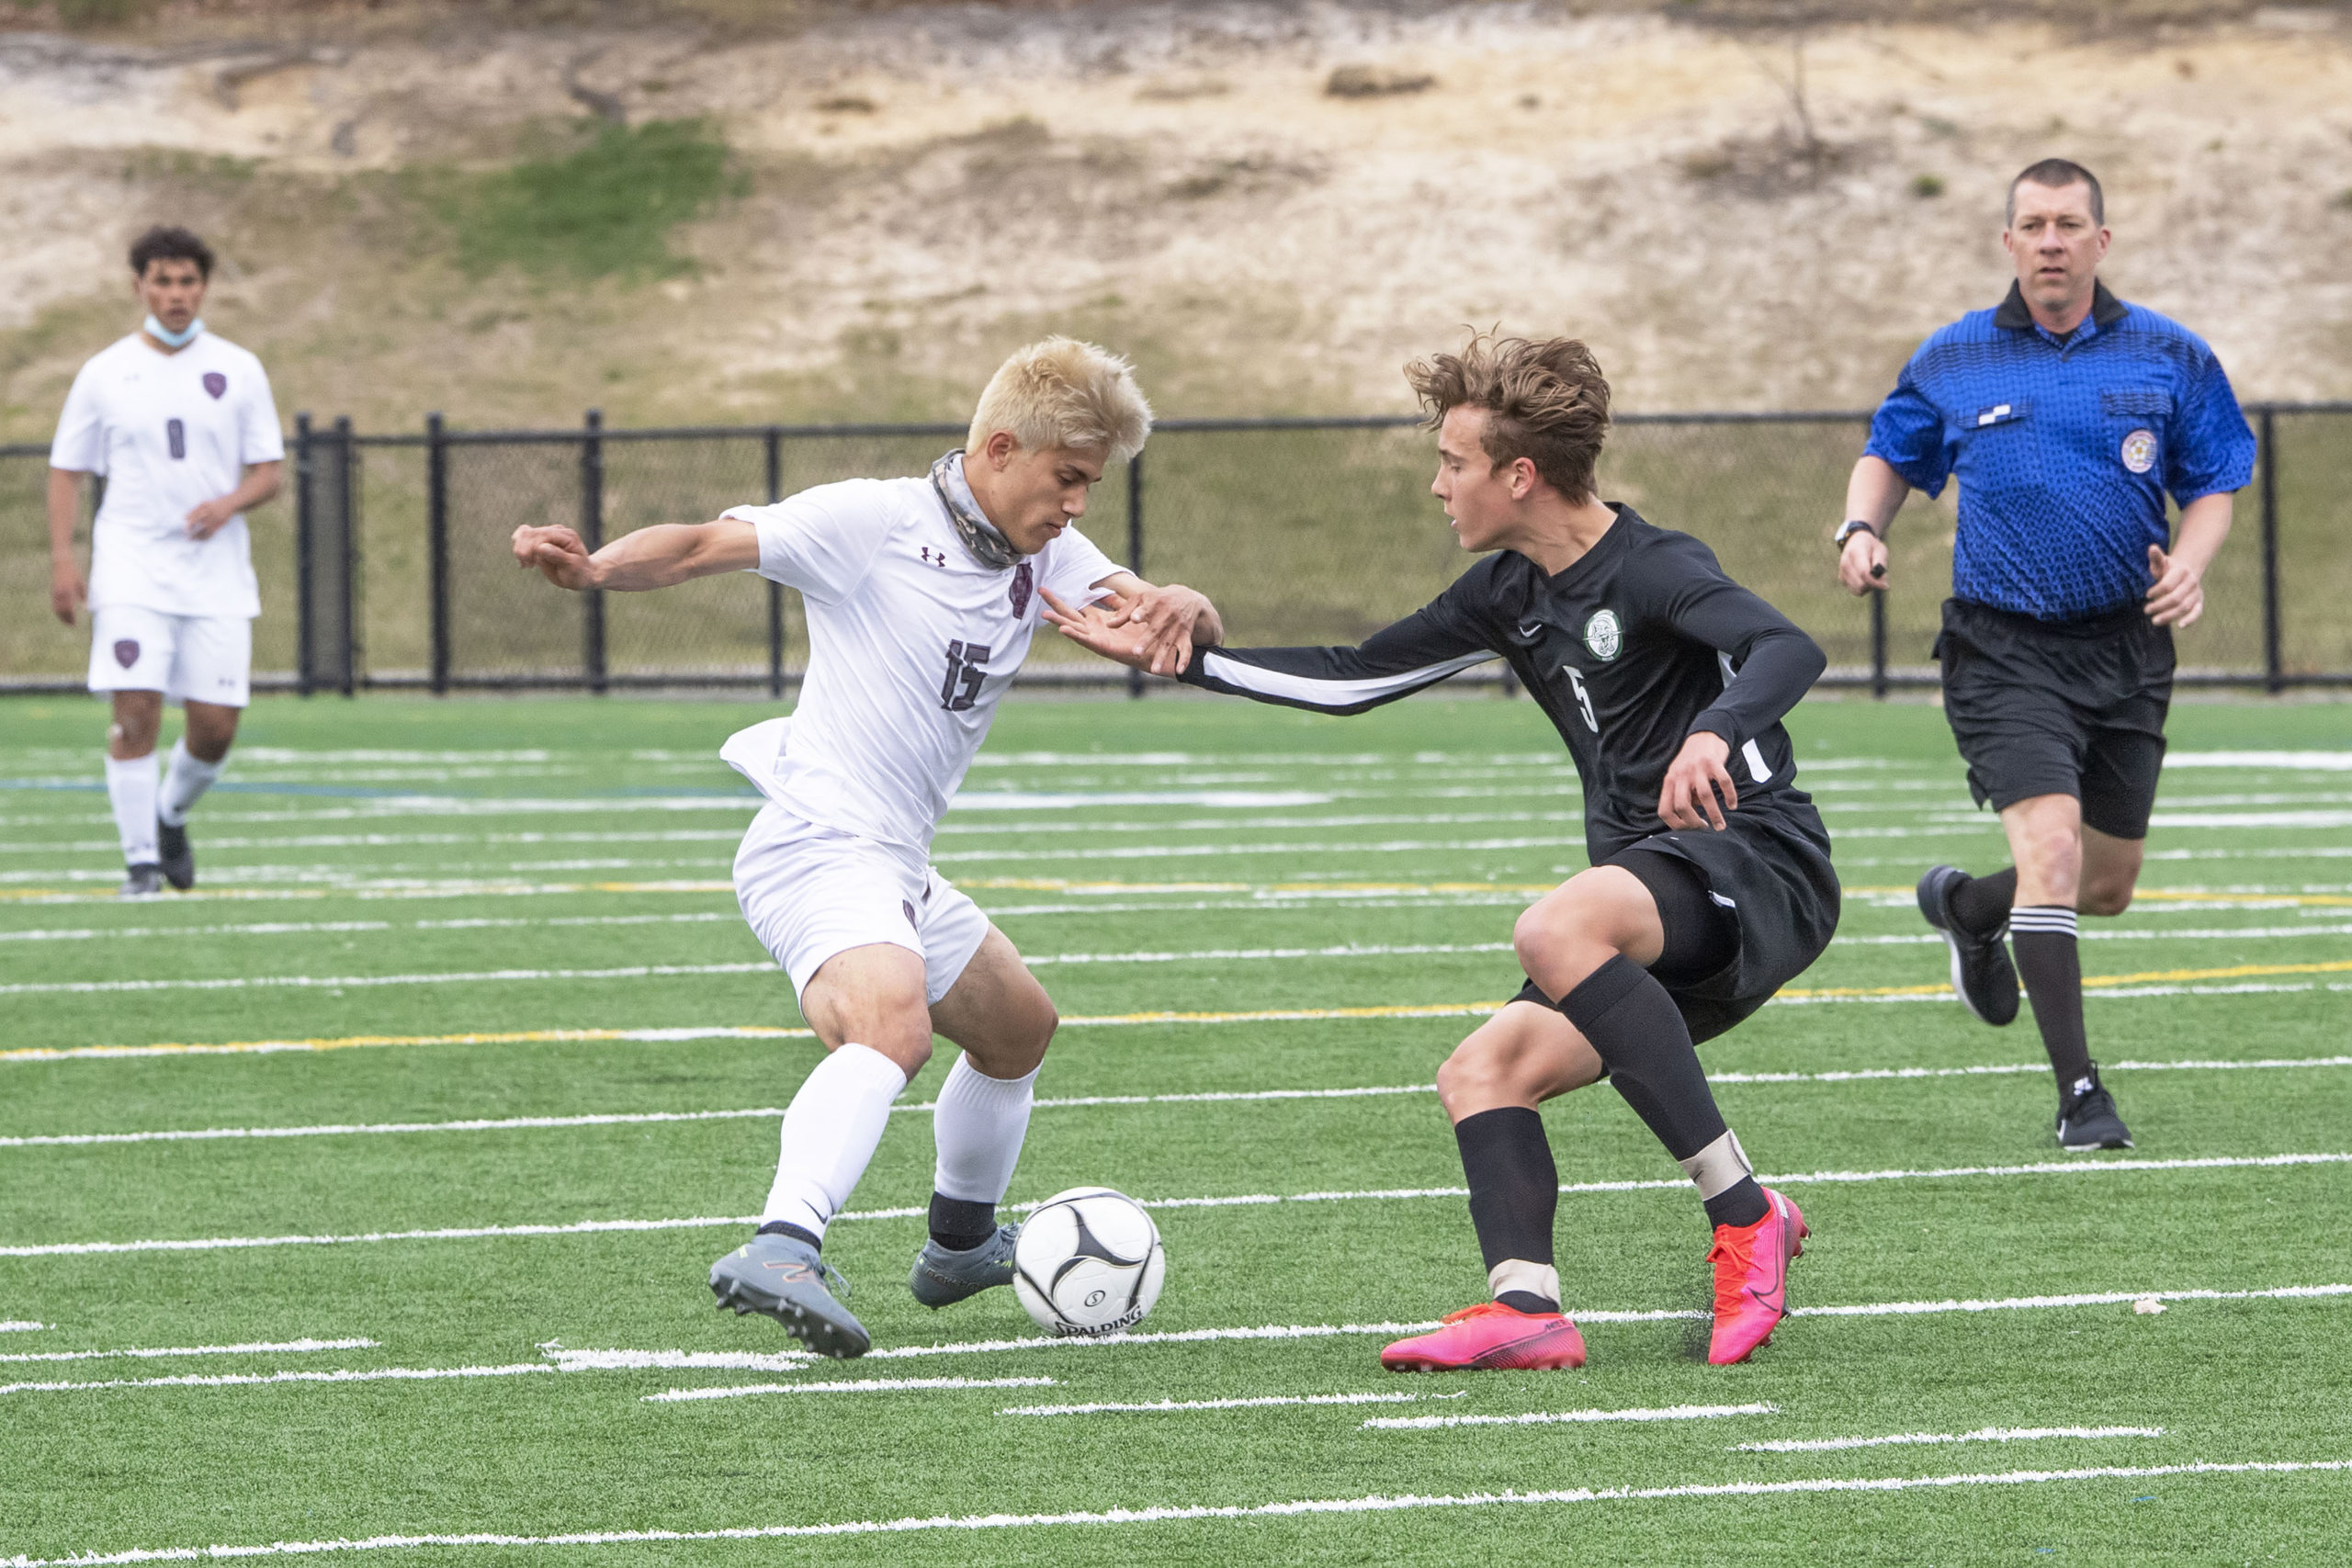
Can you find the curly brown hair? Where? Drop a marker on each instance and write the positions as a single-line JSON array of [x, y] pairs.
[[1546, 401]]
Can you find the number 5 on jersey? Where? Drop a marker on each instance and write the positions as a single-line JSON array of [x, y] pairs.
[[967, 668], [1584, 698]]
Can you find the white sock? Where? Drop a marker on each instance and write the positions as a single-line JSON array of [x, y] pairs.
[[130, 789], [184, 782], [978, 1127], [830, 1133]]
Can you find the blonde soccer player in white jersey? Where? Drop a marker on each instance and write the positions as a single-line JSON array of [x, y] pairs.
[[179, 425], [922, 595]]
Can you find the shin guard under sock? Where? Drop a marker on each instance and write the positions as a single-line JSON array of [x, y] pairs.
[[829, 1133], [1639, 1034], [130, 790], [1514, 1194], [2042, 938]]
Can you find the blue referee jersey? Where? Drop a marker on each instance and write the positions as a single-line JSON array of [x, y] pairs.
[[2064, 448]]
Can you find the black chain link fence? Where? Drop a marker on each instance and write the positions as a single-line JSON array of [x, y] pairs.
[[389, 567]]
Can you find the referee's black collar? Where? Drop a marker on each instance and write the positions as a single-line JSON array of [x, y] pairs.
[[2013, 316]]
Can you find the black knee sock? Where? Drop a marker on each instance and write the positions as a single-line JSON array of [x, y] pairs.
[[1641, 1037], [960, 1225], [1982, 903], [784, 1227], [1514, 1193], [2043, 937]]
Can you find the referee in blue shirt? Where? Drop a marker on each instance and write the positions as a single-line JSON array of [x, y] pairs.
[[2067, 414]]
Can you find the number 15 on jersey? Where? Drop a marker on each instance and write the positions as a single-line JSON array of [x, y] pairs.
[[967, 668]]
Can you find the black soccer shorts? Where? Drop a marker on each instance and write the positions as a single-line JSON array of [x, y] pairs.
[[2068, 708]]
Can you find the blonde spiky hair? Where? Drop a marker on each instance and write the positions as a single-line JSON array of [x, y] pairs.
[[1062, 392]]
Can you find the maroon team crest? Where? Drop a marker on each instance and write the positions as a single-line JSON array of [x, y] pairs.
[[215, 384], [126, 652], [1025, 583]]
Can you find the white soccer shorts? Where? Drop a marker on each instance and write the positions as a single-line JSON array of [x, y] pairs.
[[811, 892], [207, 659]]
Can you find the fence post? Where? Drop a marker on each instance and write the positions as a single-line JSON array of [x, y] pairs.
[[592, 534], [306, 522], [1134, 545], [437, 533], [2273, 656], [1878, 644], [776, 589], [346, 571]]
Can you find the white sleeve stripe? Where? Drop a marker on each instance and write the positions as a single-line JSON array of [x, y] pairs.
[[1263, 682], [1756, 771]]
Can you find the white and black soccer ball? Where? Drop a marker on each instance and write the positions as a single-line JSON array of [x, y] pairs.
[[1089, 1261]]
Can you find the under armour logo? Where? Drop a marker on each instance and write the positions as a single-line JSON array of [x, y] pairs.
[[932, 557]]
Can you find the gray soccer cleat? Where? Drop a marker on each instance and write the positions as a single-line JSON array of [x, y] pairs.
[[782, 1277], [1981, 970], [142, 881], [943, 1277], [179, 860]]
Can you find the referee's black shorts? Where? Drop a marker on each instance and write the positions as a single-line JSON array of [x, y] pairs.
[[2060, 708]]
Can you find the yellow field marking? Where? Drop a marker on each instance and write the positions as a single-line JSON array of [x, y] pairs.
[[1274, 1015]]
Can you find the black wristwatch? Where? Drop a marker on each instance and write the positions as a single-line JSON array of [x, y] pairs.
[[1852, 526]]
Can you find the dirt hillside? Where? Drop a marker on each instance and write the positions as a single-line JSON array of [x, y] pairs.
[[1269, 206]]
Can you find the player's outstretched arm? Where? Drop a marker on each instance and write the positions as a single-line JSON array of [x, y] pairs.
[[658, 557], [1139, 625]]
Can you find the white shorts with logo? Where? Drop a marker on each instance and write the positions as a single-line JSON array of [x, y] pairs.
[[205, 659], [811, 892]]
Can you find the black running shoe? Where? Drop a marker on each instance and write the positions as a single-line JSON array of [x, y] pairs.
[[2087, 1118], [140, 882], [178, 860], [1981, 970]]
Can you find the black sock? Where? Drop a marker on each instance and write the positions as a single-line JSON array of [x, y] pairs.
[[1514, 1192], [960, 1225], [2042, 938], [1982, 903], [1641, 1037], [778, 1227]]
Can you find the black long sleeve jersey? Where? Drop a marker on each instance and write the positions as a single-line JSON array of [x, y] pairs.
[[1636, 646]]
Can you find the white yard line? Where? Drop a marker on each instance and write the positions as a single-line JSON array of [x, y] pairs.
[[1261, 1402], [783, 1362], [1568, 1417], [1171, 1513], [1981, 1435], [267, 1347], [2077, 1167], [254, 1380], [856, 1385], [20, 1326]]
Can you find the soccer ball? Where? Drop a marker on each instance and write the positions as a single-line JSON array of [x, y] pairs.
[[1089, 1261]]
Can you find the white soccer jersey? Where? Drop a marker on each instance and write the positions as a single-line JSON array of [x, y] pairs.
[[911, 644], [169, 431]]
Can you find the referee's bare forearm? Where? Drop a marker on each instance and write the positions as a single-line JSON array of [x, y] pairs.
[[1875, 493]]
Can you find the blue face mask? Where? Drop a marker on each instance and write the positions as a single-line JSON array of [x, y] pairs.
[[157, 330]]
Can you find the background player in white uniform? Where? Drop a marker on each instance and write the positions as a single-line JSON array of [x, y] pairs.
[[922, 595], [180, 425]]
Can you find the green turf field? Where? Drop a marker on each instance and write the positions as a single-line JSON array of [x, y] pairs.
[[422, 920]]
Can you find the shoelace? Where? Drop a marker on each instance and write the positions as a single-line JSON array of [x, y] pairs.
[[1739, 1250], [836, 1280]]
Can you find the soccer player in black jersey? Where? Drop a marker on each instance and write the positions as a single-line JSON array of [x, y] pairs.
[[1710, 885]]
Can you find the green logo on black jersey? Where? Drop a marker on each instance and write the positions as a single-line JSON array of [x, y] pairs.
[[1602, 634]]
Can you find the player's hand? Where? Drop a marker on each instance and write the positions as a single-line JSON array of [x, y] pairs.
[[559, 553], [206, 518], [1096, 628], [1697, 776], [2177, 597], [1168, 613], [67, 590], [1861, 566]]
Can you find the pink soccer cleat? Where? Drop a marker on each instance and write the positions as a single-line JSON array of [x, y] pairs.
[[1752, 1279], [1489, 1337]]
